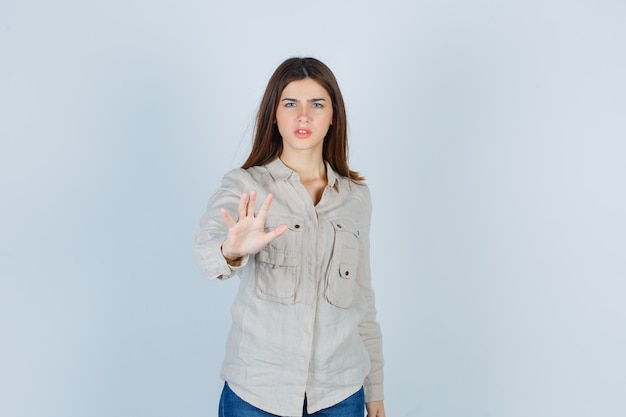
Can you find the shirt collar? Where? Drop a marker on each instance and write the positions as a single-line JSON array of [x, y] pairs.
[[280, 172]]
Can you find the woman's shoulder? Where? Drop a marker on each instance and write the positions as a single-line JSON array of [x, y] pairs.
[[236, 179], [359, 189], [245, 174], [240, 177]]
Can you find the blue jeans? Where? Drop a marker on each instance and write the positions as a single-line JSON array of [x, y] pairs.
[[233, 406]]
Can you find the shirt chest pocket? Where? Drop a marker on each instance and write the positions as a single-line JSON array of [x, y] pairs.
[[278, 265], [342, 271]]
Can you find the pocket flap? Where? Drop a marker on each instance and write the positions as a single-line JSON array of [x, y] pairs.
[[295, 224], [347, 270], [345, 225]]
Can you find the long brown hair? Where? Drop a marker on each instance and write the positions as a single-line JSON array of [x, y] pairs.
[[268, 143]]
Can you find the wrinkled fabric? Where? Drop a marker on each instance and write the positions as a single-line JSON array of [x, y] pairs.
[[304, 318]]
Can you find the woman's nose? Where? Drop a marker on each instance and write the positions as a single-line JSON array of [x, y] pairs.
[[304, 115]]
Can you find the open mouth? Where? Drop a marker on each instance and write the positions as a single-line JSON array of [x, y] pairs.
[[302, 133]]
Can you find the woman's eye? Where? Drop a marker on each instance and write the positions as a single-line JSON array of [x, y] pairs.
[[290, 104], [318, 105]]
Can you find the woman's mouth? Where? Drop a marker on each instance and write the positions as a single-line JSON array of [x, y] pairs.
[[302, 133]]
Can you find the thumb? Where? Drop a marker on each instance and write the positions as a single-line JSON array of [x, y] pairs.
[[273, 234], [279, 230]]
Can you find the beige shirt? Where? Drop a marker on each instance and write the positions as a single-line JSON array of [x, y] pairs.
[[304, 319]]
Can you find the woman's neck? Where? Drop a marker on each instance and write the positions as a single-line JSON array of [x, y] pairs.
[[308, 167]]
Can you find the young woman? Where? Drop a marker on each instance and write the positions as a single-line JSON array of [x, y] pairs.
[[304, 339]]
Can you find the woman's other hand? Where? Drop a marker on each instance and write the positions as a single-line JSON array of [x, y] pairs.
[[247, 235], [375, 409]]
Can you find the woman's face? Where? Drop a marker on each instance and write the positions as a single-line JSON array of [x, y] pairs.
[[303, 116]]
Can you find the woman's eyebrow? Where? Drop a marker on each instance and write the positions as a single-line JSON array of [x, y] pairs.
[[311, 100]]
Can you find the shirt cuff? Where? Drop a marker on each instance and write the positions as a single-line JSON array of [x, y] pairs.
[[373, 393], [233, 269]]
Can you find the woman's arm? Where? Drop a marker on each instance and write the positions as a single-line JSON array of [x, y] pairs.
[[222, 244], [369, 329]]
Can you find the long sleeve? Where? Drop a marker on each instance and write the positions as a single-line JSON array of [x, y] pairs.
[[369, 329], [208, 240]]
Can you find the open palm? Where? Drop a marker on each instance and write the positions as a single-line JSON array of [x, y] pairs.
[[247, 235]]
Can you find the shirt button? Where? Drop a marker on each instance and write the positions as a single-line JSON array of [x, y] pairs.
[[338, 226], [297, 226], [347, 273]]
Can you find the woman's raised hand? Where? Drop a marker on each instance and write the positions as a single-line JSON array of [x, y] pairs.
[[247, 235]]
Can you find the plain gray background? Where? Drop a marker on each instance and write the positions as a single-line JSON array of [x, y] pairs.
[[492, 134]]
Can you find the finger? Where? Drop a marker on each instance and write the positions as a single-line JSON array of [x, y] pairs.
[[279, 230], [229, 220], [265, 207], [273, 234], [251, 204], [242, 206]]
